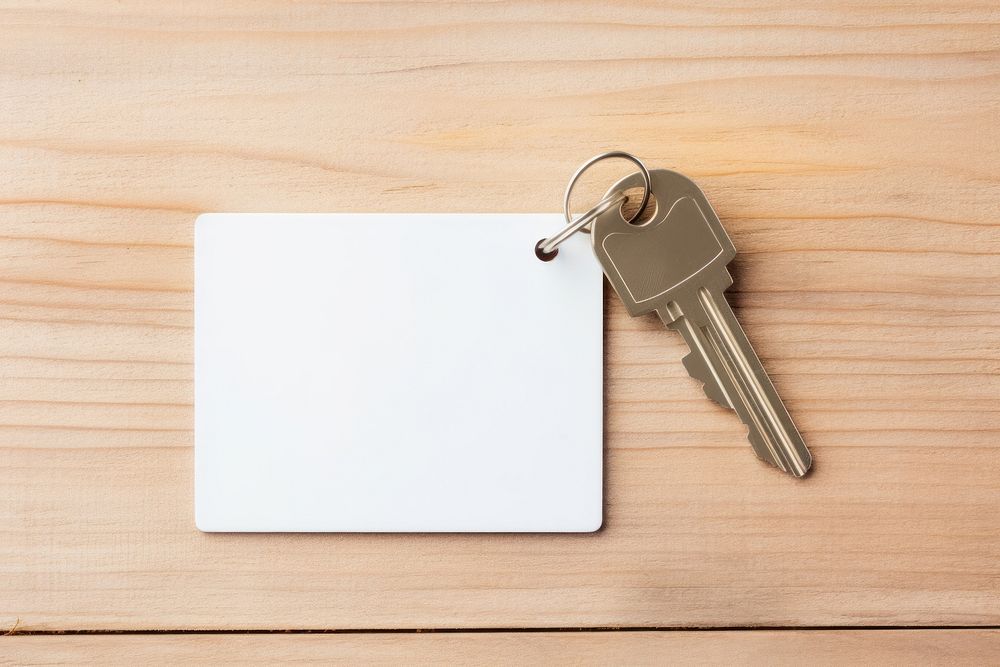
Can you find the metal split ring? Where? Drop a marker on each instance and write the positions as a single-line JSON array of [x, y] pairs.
[[546, 248]]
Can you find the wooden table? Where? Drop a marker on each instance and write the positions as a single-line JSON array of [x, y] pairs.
[[852, 150]]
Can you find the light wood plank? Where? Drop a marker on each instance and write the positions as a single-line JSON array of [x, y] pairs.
[[852, 150], [868, 647]]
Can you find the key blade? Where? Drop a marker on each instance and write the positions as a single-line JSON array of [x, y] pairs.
[[699, 369], [710, 328]]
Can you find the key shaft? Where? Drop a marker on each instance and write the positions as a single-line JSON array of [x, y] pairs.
[[733, 372]]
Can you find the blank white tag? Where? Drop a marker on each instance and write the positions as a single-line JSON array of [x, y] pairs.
[[396, 373]]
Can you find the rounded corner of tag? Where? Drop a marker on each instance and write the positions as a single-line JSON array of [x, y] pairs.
[[596, 524], [205, 219]]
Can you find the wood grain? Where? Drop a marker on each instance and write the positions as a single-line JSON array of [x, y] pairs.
[[869, 647], [852, 150]]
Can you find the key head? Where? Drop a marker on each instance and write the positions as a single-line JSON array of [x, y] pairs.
[[682, 247]]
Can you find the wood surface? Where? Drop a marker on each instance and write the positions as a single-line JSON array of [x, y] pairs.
[[851, 149], [762, 647]]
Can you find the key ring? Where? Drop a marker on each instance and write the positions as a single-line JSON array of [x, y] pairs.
[[546, 248]]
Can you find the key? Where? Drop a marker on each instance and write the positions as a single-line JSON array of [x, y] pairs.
[[675, 265]]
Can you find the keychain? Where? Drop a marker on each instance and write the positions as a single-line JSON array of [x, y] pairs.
[[675, 265]]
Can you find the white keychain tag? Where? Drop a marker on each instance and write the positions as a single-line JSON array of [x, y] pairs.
[[395, 373]]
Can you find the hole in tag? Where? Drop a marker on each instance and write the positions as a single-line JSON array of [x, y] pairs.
[[542, 255], [631, 205]]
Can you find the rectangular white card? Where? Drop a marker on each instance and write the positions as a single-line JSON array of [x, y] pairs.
[[396, 373]]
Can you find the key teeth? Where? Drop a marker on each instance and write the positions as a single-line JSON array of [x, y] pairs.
[[698, 370], [696, 367], [761, 451]]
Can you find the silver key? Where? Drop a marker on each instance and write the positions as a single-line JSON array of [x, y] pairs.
[[675, 265]]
